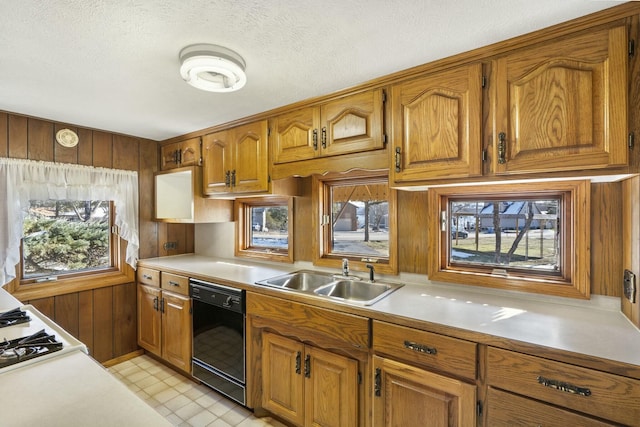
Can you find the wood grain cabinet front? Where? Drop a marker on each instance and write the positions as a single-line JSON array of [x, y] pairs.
[[181, 154], [437, 131], [236, 160], [422, 378], [308, 386], [609, 397], [562, 105], [164, 317], [346, 125]]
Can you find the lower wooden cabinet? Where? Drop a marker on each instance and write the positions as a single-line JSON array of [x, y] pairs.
[[164, 325], [308, 386], [506, 409], [405, 395]]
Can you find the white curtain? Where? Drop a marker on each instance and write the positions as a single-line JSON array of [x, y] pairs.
[[25, 180]]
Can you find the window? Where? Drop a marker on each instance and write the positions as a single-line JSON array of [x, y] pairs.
[[66, 237], [265, 228], [357, 222], [532, 237]]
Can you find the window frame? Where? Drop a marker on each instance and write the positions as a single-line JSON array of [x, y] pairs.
[[322, 255], [574, 280], [244, 223], [119, 273]]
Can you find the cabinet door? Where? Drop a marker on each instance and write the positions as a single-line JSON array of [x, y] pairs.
[[409, 396], [331, 389], [217, 159], [437, 125], [506, 409], [282, 377], [149, 318], [190, 152], [562, 105], [352, 124], [295, 136], [176, 330], [250, 169], [170, 156]]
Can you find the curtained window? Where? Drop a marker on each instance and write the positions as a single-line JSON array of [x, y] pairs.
[[25, 181]]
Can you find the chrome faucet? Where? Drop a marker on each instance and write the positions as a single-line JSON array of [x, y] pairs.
[[345, 267]]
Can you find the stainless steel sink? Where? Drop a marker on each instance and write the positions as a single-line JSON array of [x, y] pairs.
[[327, 285], [305, 281]]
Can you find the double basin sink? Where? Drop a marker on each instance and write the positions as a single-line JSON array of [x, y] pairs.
[[346, 288]]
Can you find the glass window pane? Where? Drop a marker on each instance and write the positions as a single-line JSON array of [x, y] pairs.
[[269, 227], [511, 234], [64, 237], [360, 220]]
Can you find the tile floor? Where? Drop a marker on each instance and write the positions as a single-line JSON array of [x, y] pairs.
[[181, 401]]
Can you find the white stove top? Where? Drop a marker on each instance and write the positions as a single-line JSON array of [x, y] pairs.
[[37, 323]]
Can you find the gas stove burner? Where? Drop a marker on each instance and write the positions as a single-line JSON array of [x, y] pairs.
[[21, 349], [13, 317]]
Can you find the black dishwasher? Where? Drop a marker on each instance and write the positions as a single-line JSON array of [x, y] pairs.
[[219, 338]]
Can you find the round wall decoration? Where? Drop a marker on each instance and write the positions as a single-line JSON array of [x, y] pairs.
[[67, 138]]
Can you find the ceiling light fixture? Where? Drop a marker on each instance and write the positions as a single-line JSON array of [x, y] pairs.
[[212, 68]]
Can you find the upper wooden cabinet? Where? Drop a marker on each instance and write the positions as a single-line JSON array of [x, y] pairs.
[[346, 125], [436, 123], [236, 160], [179, 154], [561, 105]]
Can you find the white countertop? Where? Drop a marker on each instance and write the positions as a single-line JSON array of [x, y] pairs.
[[71, 390], [595, 327]]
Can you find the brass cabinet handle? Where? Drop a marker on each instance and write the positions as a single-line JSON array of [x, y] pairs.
[[563, 386], [502, 147], [420, 347], [315, 139], [398, 159], [298, 362], [324, 137]]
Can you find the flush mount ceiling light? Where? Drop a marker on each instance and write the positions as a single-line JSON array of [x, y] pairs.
[[212, 68]]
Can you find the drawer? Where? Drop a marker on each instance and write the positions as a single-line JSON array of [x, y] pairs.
[[506, 409], [175, 283], [603, 395], [446, 354], [148, 276]]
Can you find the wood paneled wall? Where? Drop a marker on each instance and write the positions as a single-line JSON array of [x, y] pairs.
[[105, 318]]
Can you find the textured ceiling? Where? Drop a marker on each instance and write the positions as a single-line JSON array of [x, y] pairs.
[[113, 65]]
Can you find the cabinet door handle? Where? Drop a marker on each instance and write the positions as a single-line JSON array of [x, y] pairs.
[[315, 139], [227, 179], [324, 137], [502, 148], [563, 386], [298, 362], [175, 157], [420, 347], [155, 303], [307, 366], [398, 160], [377, 383], [233, 178], [162, 305]]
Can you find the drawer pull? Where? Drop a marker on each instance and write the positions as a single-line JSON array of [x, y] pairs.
[[420, 347], [146, 276], [174, 283], [562, 386]]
